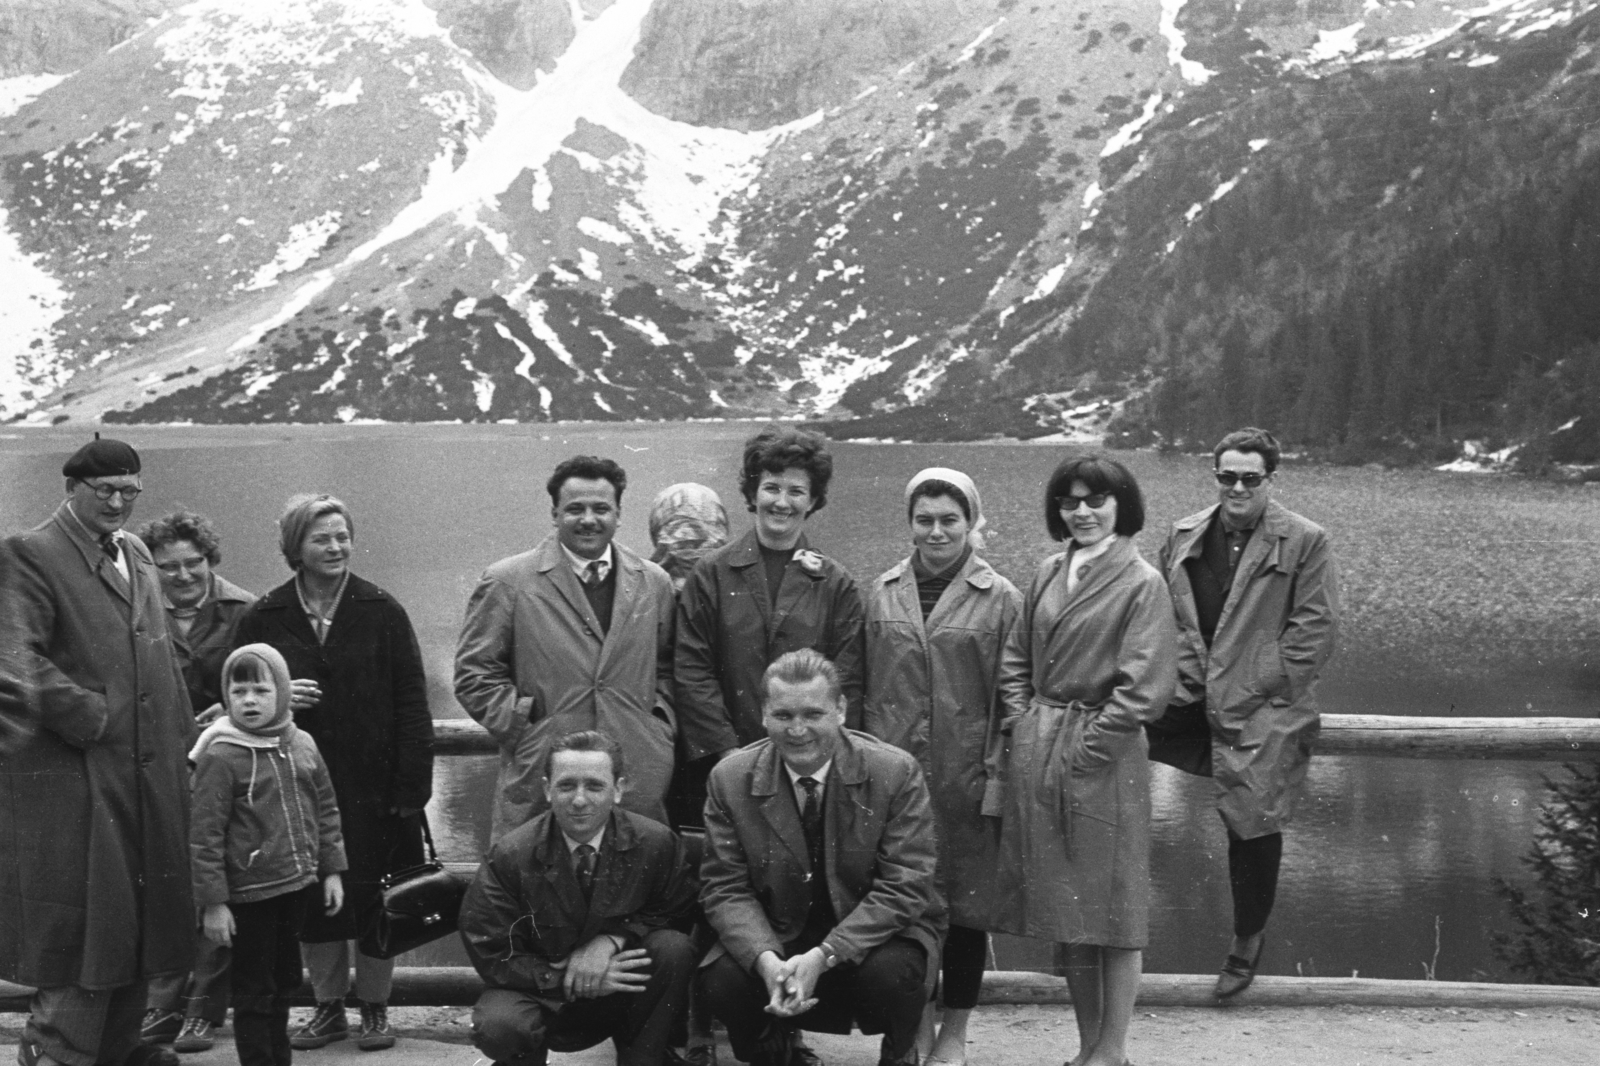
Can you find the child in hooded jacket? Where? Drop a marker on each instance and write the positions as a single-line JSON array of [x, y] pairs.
[[263, 832]]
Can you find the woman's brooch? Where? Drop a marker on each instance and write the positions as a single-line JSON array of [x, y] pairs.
[[809, 561]]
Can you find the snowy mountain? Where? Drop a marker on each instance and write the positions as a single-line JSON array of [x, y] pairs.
[[943, 217]]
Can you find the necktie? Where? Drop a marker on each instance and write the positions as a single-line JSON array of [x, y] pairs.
[[591, 574], [109, 545], [811, 823], [585, 869]]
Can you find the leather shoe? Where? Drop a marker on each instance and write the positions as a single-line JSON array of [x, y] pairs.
[[152, 1055], [1237, 973]]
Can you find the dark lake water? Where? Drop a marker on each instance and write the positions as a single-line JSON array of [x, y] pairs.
[[1463, 596]]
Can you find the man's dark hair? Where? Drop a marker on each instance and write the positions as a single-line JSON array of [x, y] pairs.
[[587, 740], [778, 448], [1098, 474], [184, 525], [1249, 439], [589, 468], [800, 667]]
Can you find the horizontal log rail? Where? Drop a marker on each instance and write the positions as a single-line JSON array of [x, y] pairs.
[[459, 986], [1371, 735], [1380, 735]]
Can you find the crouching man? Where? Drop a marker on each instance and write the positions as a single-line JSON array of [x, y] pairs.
[[568, 921], [818, 877]]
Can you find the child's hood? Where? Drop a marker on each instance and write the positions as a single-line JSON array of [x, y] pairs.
[[273, 660]]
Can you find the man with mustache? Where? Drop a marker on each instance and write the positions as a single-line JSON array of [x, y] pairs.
[[573, 635]]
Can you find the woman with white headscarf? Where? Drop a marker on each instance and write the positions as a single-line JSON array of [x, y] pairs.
[[936, 624]]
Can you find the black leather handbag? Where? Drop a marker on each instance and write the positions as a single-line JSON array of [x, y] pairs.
[[418, 904]]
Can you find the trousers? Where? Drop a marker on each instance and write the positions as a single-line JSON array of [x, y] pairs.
[[883, 993], [521, 1028]]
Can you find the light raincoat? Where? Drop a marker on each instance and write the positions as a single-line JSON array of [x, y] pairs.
[[1081, 674], [1258, 679], [932, 691], [533, 666]]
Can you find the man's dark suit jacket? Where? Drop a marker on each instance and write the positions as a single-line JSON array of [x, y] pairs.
[[879, 841], [525, 910]]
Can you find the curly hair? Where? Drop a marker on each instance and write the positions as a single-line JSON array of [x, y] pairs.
[[779, 448], [184, 525], [586, 468]]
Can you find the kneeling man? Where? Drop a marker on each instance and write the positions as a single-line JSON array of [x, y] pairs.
[[568, 921], [818, 877]]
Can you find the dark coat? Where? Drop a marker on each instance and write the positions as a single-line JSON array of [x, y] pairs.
[[729, 631], [525, 911], [1080, 675], [94, 804], [203, 651], [1258, 679], [879, 840], [533, 666], [373, 728], [932, 690]]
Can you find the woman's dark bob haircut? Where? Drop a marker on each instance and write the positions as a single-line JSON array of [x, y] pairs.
[[1098, 474], [779, 448]]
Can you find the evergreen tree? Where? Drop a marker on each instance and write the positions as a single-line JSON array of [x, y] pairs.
[[1559, 914]]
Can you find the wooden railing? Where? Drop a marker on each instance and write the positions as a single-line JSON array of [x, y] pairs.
[[1373, 735], [1369, 735]]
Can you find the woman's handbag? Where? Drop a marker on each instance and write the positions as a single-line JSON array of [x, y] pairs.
[[419, 904]]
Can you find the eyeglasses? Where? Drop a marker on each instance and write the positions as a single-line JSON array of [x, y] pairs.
[[129, 493], [1250, 481], [172, 569], [1095, 500]]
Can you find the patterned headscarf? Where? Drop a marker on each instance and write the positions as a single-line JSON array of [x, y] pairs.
[[686, 521]]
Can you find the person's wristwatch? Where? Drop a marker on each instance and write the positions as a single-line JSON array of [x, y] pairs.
[[829, 958]]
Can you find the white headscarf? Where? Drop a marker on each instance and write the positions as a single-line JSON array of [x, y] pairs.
[[968, 489]]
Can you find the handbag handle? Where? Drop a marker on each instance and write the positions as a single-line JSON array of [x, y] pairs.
[[427, 837]]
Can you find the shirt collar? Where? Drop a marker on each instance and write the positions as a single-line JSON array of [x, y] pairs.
[[1094, 551], [594, 841], [115, 535], [580, 565], [819, 775]]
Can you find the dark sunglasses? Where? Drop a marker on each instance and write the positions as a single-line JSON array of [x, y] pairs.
[[1250, 481], [1095, 500]]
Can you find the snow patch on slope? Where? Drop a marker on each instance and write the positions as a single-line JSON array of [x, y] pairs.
[[1192, 72]]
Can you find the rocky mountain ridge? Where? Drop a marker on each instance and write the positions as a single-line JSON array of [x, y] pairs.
[[948, 219]]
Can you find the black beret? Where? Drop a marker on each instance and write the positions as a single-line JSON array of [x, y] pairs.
[[102, 458]]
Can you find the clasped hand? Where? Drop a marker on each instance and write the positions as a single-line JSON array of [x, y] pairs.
[[599, 969], [791, 983]]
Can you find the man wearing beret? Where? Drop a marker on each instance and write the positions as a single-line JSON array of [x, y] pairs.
[[94, 888]]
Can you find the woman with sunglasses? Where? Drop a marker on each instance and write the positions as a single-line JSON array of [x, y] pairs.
[[1093, 657]]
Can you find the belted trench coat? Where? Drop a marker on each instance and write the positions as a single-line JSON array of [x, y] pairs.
[[932, 690], [878, 841], [94, 803], [1258, 679], [532, 666], [729, 631], [1080, 675]]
